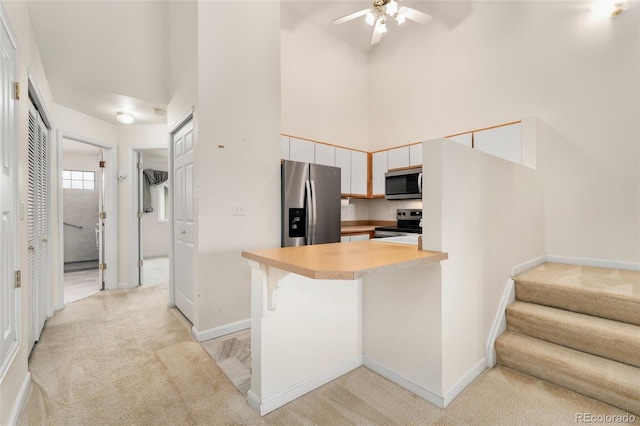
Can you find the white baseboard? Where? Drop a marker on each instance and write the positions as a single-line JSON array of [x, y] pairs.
[[126, 286], [599, 263], [223, 330], [529, 264], [20, 399], [423, 392], [296, 391], [500, 322], [465, 381]]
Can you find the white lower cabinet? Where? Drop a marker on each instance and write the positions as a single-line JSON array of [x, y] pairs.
[[352, 238]]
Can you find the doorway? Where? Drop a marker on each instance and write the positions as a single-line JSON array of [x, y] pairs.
[[82, 202], [87, 202], [150, 215]]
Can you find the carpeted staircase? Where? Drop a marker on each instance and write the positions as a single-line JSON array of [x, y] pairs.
[[577, 327]]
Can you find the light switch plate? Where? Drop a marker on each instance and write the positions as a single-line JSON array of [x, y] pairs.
[[238, 210]]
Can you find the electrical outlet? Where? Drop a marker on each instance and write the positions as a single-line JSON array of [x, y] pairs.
[[389, 210], [238, 210]]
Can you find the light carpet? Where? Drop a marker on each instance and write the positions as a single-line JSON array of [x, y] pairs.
[[123, 358]]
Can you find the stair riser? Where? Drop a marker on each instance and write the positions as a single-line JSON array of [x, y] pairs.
[[577, 300], [621, 343], [604, 380]]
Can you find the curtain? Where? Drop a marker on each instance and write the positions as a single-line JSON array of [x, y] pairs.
[[151, 177]]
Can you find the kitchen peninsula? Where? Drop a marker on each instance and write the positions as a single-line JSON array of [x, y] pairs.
[[320, 311]]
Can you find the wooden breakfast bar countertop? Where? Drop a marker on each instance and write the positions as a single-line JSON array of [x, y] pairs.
[[343, 261]]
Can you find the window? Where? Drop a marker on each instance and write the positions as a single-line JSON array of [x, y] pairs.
[[78, 179], [163, 202]]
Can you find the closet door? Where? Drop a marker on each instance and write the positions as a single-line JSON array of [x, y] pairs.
[[37, 222]]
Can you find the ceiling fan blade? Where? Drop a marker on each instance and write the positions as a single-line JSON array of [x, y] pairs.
[[376, 37], [349, 17], [415, 15]]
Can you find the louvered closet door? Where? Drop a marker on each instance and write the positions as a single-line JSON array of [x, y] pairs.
[[37, 229]]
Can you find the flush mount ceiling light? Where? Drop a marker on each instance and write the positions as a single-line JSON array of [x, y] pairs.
[[381, 10], [124, 117]]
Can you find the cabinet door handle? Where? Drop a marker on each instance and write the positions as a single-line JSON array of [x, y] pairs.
[[31, 248], [183, 232]]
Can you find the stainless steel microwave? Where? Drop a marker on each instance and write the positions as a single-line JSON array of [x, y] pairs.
[[403, 184]]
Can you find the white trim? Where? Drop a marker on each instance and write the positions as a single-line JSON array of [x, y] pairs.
[[223, 330], [5, 21], [529, 264], [111, 201], [464, 381], [20, 400], [423, 392], [126, 286], [281, 398], [598, 263], [500, 322], [182, 120], [38, 100]]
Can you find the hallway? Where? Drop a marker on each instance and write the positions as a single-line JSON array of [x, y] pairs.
[[122, 357]]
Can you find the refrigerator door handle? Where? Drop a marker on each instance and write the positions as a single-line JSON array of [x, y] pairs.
[[313, 218], [308, 199]]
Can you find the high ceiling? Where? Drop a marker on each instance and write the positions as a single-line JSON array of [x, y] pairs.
[[101, 57]]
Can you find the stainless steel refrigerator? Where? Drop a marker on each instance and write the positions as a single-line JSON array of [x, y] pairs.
[[310, 204]]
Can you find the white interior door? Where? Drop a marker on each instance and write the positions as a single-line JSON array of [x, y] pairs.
[[102, 218], [9, 294], [183, 220]]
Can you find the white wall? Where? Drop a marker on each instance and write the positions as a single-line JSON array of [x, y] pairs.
[[324, 86], [80, 208], [156, 233], [238, 151], [486, 232], [509, 60], [28, 60]]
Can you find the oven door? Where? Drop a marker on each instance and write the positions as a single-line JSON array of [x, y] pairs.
[[403, 184]]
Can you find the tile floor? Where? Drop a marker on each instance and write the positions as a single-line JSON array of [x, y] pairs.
[[81, 284], [232, 353]]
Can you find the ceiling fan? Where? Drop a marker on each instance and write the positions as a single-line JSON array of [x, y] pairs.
[[381, 10]]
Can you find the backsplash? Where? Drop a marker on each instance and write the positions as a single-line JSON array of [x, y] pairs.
[[378, 209]]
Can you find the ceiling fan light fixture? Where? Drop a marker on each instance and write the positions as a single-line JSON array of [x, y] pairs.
[[392, 8], [400, 18], [381, 27], [124, 117], [371, 19]]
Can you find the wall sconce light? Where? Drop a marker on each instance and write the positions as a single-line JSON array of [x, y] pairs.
[[124, 117]]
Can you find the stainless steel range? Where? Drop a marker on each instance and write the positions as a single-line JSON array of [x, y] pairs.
[[408, 223]]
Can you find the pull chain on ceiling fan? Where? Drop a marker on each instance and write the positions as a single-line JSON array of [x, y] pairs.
[[381, 10]]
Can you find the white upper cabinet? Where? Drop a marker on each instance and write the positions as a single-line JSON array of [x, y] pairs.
[[301, 150], [463, 139], [325, 154], [343, 160], [284, 150], [358, 173], [504, 142], [379, 168], [398, 158], [415, 155]]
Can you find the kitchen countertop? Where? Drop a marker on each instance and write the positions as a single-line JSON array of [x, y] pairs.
[[342, 261], [357, 228]]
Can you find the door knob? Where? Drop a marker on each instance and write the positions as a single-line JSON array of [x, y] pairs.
[[44, 240], [183, 232], [31, 248]]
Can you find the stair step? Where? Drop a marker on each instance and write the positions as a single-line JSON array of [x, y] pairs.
[[598, 336], [606, 293], [608, 381]]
